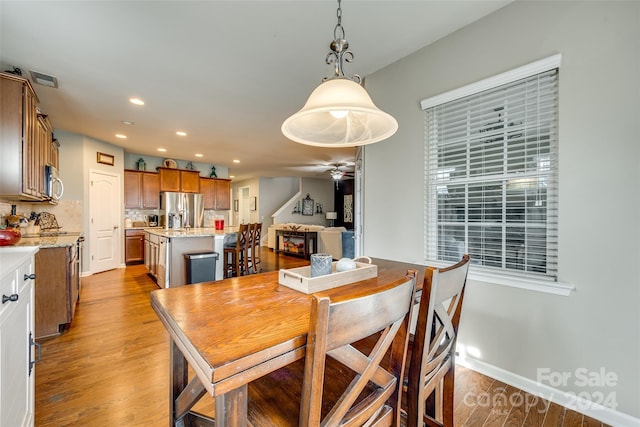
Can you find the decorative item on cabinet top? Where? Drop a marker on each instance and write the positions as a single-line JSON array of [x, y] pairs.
[[170, 163]]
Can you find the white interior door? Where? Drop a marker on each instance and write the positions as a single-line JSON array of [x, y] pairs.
[[244, 205], [105, 220]]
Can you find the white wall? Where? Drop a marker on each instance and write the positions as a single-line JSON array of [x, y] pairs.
[[273, 193], [321, 191], [78, 156], [598, 325]]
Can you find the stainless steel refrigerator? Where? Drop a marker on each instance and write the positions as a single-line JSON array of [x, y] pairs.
[[182, 210]]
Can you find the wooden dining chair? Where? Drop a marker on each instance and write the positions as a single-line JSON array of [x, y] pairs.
[[235, 257], [253, 259], [337, 385], [430, 379]]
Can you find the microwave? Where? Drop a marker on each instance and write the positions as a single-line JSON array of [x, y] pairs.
[[52, 183]]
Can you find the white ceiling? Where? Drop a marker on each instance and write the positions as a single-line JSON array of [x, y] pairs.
[[226, 72]]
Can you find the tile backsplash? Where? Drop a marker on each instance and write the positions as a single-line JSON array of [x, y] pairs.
[[68, 212], [138, 215]]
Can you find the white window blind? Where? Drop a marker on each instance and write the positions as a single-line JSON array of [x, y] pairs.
[[491, 170]]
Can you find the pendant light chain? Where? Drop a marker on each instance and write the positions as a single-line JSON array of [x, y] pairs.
[[339, 112], [339, 53], [338, 31]]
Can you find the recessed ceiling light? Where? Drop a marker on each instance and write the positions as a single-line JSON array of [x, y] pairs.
[[199, 155], [181, 133], [121, 136], [136, 101], [236, 161], [162, 149], [126, 122], [232, 176]]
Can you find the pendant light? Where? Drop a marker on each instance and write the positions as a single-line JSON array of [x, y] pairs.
[[339, 112]]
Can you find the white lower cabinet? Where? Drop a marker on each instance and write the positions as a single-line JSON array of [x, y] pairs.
[[16, 352]]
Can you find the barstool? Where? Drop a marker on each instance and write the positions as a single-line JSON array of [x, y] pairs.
[[235, 257], [255, 231]]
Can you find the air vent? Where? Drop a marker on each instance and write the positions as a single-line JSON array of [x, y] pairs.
[[43, 79]]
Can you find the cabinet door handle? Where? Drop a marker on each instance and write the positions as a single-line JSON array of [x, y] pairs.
[[31, 276], [38, 353], [12, 298]]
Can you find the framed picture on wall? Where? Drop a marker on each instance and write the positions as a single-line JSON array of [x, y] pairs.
[[253, 204], [105, 159], [308, 205]]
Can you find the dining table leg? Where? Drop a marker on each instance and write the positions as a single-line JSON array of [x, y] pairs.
[[179, 378], [231, 408]]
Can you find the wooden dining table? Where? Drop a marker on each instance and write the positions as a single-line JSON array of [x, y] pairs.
[[234, 331]]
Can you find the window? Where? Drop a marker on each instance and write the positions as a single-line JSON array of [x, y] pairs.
[[491, 163]]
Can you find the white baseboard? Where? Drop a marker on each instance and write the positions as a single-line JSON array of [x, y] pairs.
[[568, 400]]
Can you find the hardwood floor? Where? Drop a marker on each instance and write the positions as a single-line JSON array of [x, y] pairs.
[[111, 367]]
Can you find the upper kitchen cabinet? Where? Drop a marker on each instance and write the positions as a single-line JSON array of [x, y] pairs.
[[180, 180], [48, 151], [21, 159], [216, 193], [141, 190]]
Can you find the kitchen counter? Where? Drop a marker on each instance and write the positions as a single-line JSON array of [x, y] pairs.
[[171, 245], [49, 241], [192, 232]]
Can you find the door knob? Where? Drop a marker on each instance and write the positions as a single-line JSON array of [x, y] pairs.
[[115, 227]]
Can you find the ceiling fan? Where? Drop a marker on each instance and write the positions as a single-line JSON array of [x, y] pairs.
[[338, 171]]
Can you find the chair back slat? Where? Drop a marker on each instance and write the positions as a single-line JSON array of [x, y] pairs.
[[357, 315], [433, 354], [334, 327]]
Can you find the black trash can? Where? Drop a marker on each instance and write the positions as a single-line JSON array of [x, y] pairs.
[[201, 267]]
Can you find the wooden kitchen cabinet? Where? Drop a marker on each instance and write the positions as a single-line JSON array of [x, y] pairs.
[[57, 289], [189, 181], [21, 168], [48, 151], [223, 194], [141, 190], [180, 180], [134, 246], [216, 193], [150, 190]]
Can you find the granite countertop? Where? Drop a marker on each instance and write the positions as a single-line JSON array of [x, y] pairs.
[[192, 232], [144, 227], [49, 241]]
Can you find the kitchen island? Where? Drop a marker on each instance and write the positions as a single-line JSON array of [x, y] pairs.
[[165, 251]]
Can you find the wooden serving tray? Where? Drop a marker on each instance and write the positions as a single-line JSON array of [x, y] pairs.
[[300, 278]]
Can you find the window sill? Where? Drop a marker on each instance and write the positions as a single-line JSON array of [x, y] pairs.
[[532, 284]]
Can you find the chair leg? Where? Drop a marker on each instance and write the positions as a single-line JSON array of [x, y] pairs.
[[448, 384]]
